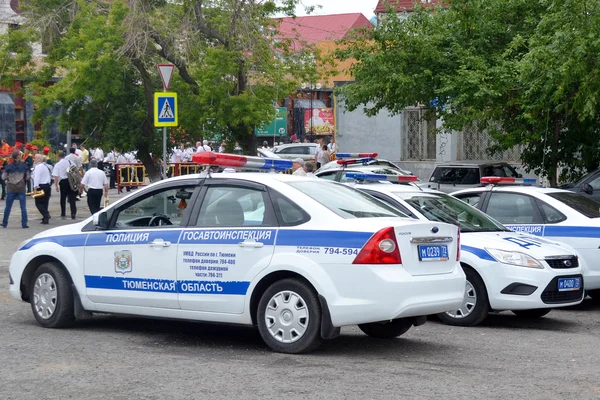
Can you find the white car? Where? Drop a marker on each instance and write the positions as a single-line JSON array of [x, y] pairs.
[[297, 257], [505, 270], [554, 214]]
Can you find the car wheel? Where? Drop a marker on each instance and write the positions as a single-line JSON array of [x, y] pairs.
[[51, 297], [475, 306], [289, 317], [388, 329], [535, 313]]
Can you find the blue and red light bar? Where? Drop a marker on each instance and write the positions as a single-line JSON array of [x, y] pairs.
[[381, 177], [495, 180], [235, 160], [352, 161], [356, 155]]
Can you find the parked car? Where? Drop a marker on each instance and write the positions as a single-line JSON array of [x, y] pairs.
[[588, 186], [306, 151], [457, 175], [339, 174], [551, 213], [376, 161], [505, 270]]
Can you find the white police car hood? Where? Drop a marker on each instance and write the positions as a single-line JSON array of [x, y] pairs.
[[477, 243], [64, 230]]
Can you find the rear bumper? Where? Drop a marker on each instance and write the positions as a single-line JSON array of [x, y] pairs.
[[380, 293]]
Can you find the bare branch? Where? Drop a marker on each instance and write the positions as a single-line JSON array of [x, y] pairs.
[[167, 54], [203, 27]]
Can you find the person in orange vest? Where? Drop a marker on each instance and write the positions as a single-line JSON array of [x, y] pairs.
[[5, 148]]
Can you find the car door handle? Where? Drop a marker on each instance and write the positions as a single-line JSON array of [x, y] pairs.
[[251, 244], [159, 243]]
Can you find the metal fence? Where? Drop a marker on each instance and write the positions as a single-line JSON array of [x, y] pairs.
[[418, 135], [473, 145]]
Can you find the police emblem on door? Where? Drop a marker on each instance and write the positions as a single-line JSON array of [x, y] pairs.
[[123, 261]]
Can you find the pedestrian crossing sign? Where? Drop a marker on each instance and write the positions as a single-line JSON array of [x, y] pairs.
[[165, 109]]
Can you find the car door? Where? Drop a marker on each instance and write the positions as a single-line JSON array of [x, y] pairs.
[[229, 241], [517, 211], [134, 262]]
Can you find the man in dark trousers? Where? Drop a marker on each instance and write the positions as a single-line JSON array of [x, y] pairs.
[[16, 174], [42, 181], [61, 182], [97, 182]]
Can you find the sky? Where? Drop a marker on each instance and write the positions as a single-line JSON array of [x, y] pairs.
[[341, 7]]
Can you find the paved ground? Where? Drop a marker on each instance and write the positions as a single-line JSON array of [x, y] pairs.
[[133, 358]]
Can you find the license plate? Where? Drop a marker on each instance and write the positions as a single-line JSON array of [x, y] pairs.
[[433, 252], [569, 284]]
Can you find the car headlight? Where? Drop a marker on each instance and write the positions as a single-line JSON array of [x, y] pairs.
[[515, 258]]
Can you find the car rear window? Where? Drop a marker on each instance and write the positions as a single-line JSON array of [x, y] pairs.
[[345, 201], [456, 175], [586, 206]]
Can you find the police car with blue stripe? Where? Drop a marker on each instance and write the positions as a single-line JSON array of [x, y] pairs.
[[297, 257], [554, 214], [505, 270]]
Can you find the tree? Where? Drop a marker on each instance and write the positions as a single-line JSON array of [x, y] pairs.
[[230, 66], [526, 71]]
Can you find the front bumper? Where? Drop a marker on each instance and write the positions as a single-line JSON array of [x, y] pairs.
[[372, 293]]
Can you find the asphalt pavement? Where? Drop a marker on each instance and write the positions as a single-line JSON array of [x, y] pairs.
[[121, 357]]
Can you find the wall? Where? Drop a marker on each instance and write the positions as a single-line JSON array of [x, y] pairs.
[[356, 132], [7, 118]]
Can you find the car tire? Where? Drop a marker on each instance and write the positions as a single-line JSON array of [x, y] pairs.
[[289, 317], [387, 330], [534, 313], [51, 296], [475, 307]]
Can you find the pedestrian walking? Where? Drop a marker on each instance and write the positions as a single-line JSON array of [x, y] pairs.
[[62, 185], [96, 182], [16, 174], [323, 156], [42, 181], [85, 157]]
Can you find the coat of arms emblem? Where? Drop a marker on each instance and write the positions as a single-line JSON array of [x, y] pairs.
[[123, 261]]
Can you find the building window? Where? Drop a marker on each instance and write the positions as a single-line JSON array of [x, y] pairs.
[[418, 135]]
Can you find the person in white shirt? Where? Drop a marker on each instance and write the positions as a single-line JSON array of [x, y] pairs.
[[331, 145], [309, 168], [42, 181], [298, 167], [96, 182], [204, 147], [78, 152], [61, 181], [98, 154], [112, 158], [73, 158]]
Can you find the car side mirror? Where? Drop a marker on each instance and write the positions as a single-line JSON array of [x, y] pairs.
[[101, 220], [587, 188]]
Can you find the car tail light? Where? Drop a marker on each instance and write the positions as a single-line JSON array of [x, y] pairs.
[[458, 246], [382, 248]]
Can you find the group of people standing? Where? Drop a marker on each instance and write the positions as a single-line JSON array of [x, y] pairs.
[[73, 174]]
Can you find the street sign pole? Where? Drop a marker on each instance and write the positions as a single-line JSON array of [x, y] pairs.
[[166, 72]]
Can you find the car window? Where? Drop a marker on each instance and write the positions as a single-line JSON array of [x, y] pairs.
[[550, 214], [160, 208], [456, 176], [287, 150], [500, 170], [595, 184], [391, 202], [231, 206], [330, 176], [311, 150], [444, 208], [511, 208], [471, 199], [584, 205], [345, 201]]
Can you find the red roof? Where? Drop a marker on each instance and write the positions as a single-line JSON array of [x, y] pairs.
[[403, 5], [320, 28]]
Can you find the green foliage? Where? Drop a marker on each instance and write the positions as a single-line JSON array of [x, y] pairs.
[[527, 71]]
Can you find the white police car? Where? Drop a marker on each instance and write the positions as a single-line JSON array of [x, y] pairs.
[[505, 270], [555, 214], [298, 257]]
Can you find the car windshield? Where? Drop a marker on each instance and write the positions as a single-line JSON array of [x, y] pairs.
[[345, 201], [584, 205], [444, 208]]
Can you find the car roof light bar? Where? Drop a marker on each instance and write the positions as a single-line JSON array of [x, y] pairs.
[[235, 160], [355, 161], [381, 177], [356, 155], [496, 180]]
